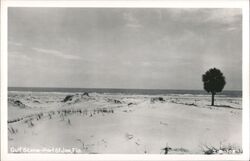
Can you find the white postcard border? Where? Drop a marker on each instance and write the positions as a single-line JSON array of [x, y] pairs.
[[243, 4]]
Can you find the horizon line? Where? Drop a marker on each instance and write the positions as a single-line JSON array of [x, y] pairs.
[[120, 88]]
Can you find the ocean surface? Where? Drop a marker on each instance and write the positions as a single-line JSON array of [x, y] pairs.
[[125, 91]]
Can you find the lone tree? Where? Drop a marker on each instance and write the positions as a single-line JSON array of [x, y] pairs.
[[213, 81]]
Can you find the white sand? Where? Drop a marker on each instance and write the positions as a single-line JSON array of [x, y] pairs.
[[185, 123]]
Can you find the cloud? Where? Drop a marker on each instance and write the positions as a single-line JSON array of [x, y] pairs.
[[228, 16], [217, 15], [56, 53], [18, 55], [131, 20], [133, 26], [15, 43], [208, 19], [146, 64], [229, 19], [127, 63]]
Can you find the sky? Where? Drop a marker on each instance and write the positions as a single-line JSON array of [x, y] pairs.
[[158, 48]]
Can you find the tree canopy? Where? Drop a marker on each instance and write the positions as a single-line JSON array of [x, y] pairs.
[[213, 81]]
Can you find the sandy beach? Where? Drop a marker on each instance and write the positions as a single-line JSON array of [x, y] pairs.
[[94, 123]]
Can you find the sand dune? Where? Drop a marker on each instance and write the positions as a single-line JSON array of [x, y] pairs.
[[123, 124]]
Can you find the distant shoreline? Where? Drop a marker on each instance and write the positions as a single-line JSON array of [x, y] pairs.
[[232, 93]]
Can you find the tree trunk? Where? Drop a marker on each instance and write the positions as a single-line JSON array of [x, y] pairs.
[[212, 104]]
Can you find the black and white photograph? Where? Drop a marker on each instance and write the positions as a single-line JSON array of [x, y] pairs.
[[125, 80]]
